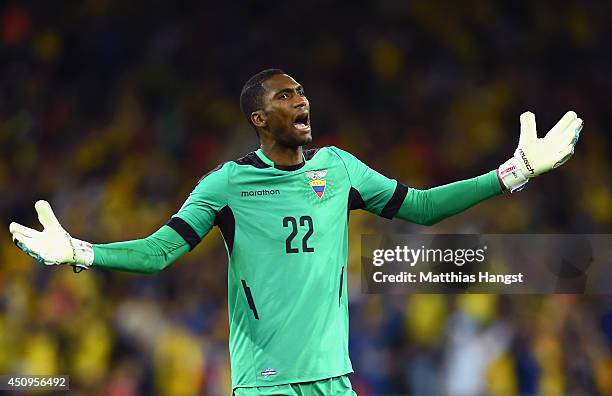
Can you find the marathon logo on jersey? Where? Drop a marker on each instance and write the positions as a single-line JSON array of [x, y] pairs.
[[316, 180], [258, 193], [268, 372]]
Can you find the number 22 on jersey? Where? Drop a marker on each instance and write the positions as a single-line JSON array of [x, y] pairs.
[[292, 223]]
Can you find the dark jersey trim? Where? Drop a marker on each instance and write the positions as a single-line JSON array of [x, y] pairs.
[[290, 167], [227, 224], [340, 290], [185, 231], [249, 296], [308, 154], [355, 201], [214, 170], [395, 202], [252, 159]]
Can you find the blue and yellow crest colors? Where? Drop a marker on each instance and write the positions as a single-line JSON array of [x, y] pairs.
[[316, 180]]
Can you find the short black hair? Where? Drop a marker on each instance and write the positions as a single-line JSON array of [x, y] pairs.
[[252, 93]]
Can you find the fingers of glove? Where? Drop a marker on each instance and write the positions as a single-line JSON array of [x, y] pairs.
[[45, 215], [569, 136], [528, 127], [577, 128], [21, 242], [25, 244], [32, 244], [22, 238], [562, 124], [564, 155], [18, 228]]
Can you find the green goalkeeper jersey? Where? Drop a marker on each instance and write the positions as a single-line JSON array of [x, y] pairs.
[[285, 230], [286, 234]]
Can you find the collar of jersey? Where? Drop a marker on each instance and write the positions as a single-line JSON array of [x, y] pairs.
[[268, 161]]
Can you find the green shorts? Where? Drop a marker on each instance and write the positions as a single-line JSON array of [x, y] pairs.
[[337, 386]]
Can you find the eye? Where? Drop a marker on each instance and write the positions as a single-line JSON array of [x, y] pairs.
[[283, 96], [301, 92]]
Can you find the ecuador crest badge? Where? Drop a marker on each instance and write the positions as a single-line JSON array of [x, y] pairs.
[[316, 180]]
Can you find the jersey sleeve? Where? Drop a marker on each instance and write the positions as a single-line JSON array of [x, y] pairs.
[[144, 256], [371, 190], [427, 207], [197, 215]]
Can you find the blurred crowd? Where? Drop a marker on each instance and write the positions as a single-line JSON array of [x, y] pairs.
[[113, 110]]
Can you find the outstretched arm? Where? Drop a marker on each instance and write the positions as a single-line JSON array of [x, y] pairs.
[[532, 157], [428, 207], [54, 246], [183, 232], [145, 256], [388, 198]]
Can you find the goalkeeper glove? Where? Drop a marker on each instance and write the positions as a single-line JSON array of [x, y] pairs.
[[52, 246], [535, 156]]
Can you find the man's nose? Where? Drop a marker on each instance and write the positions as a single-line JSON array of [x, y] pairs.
[[301, 101]]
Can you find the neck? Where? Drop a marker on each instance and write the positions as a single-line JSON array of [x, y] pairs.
[[282, 155]]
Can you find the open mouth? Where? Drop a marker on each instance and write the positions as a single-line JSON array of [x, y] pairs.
[[302, 122]]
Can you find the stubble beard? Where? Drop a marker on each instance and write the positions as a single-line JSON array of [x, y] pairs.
[[293, 141]]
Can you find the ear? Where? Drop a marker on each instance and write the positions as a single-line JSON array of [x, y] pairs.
[[259, 119]]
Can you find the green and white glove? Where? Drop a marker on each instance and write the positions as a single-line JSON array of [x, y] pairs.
[[534, 155], [52, 246]]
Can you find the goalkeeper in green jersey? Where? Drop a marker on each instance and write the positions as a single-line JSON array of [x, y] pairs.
[[282, 211]]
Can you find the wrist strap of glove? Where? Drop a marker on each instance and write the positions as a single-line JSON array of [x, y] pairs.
[[82, 253], [512, 176]]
